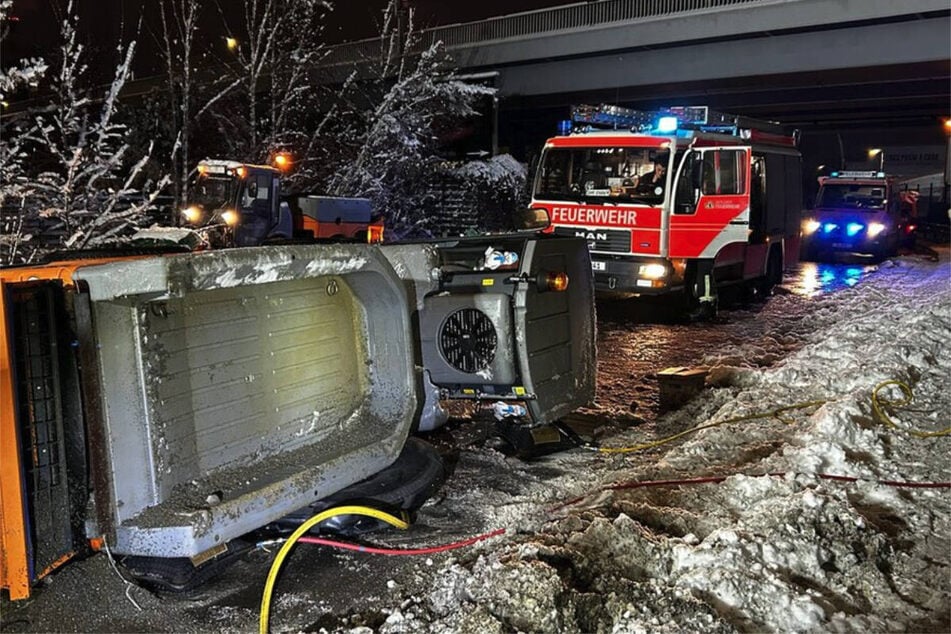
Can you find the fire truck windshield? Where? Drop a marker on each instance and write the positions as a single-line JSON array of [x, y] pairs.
[[610, 174], [212, 192], [851, 196]]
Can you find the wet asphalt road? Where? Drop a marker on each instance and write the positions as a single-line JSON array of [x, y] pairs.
[[637, 339]]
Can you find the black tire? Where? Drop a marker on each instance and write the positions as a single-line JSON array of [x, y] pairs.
[[773, 276], [178, 575], [403, 486]]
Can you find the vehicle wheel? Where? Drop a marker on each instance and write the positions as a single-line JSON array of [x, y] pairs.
[[773, 276], [404, 485], [893, 247], [179, 575]]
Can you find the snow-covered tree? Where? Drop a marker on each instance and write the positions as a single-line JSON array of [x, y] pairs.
[[89, 188], [15, 189], [498, 187], [179, 20], [80, 186], [274, 50], [385, 139]]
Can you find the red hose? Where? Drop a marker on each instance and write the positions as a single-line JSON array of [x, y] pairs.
[[400, 551]]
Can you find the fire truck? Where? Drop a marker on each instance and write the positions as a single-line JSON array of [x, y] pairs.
[[674, 202], [241, 204]]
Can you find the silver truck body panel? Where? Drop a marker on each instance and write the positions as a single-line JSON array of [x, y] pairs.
[[240, 385]]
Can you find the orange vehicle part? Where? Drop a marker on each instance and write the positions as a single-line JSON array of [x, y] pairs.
[[14, 551], [341, 230]]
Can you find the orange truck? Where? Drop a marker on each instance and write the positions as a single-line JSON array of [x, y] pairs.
[[166, 405], [170, 405]]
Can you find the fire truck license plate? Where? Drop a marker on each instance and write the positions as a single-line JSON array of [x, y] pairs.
[[598, 266]]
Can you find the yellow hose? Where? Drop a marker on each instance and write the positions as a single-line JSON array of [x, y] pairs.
[[776, 413], [878, 403], [400, 523]]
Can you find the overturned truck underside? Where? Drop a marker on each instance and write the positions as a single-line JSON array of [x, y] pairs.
[[260, 381]]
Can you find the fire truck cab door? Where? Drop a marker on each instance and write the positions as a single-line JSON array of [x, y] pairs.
[[711, 205]]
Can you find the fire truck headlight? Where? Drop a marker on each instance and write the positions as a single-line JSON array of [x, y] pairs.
[[810, 226], [652, 271], [192, 214], [230, 217], [875, 228]]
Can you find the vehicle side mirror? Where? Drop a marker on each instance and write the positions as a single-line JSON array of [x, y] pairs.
[[531, 219]]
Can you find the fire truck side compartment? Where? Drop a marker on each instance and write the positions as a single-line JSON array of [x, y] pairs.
[[240, 385]]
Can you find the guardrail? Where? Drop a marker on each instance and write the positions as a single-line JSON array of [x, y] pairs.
[[572, 16]]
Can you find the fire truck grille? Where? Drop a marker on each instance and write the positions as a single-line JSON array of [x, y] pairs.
[[614, 240], [468, 341]]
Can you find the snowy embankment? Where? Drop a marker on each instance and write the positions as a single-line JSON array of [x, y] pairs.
[[792, 551]]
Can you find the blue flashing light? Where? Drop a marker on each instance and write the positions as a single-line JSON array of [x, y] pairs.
[[834, 174], [564, 127], [829, 227], [853, 228], [667, 124]]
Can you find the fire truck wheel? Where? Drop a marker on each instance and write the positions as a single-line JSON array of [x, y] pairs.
[[774, 273]]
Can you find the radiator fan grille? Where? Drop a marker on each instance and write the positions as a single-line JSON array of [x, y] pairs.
[[468, 341]]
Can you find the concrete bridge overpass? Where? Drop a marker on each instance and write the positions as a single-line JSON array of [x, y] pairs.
[[835, 66]]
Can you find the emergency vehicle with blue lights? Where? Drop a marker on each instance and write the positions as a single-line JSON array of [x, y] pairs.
[[728, 208], [858, 212]]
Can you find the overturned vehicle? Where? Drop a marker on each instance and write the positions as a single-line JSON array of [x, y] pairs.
[[166, 406]]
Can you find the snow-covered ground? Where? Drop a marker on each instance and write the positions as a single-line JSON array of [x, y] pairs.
[[754, 552], [767, 543]]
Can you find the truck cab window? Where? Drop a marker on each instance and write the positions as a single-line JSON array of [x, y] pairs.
[[257, 189], [688, 184], [724, 172]]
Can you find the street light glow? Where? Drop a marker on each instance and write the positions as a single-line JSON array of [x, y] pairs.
[[232, 43]]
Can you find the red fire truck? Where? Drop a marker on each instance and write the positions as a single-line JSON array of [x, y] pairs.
[[677, 201]]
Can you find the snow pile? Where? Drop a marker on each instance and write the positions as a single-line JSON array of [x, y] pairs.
[[788, 552]]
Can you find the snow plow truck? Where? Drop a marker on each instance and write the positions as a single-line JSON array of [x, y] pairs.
[[242, 204]]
